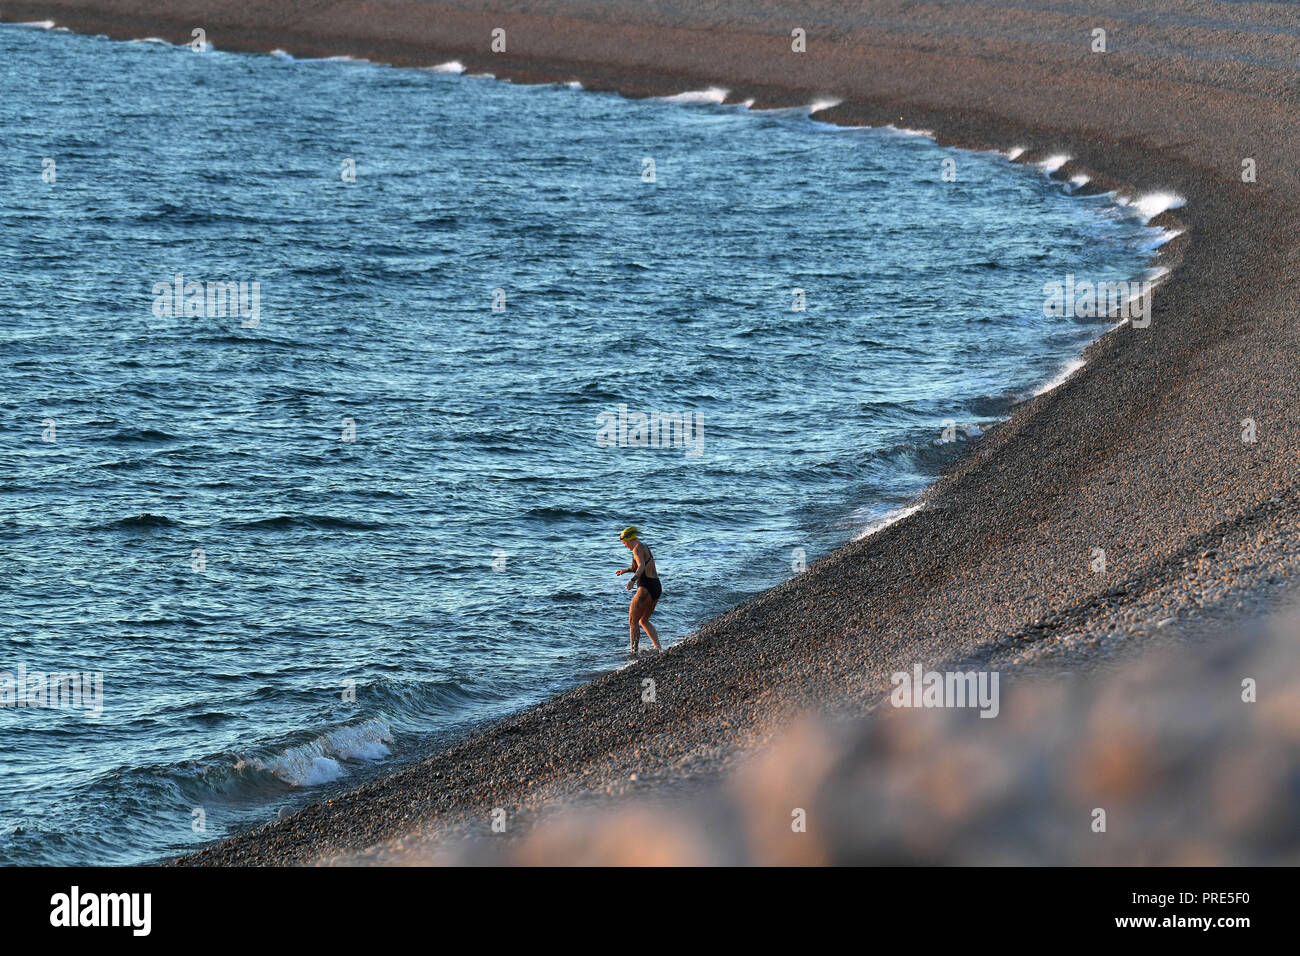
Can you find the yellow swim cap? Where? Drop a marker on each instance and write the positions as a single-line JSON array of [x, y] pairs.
[[628, 532]]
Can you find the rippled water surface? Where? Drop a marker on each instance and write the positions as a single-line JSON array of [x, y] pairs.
[[200, 528]]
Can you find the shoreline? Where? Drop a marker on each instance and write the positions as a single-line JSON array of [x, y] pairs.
[[1137, 451]]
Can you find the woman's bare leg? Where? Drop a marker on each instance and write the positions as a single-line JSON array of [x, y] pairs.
[[634, 618], [649, 628]]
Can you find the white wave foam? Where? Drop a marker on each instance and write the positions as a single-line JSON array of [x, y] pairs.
[[151, 40], [785, 111], [1068, 369], [823, 104], [1014, 153], [928, 133], [892, 517], [1052, 163], [714, 94], [37, 24], [573, 85], [1080, 180], [1153, 204], [1163, 236], [1151, 278], [306, 769], [321, 761], [451, 66], [341, 58], [961, 433]]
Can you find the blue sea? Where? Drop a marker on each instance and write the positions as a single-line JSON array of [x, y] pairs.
[[326, 388]]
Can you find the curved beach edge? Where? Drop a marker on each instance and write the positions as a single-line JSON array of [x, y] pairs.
[[1138, 453]]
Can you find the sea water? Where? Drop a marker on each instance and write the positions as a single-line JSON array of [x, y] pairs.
[[327, 388]]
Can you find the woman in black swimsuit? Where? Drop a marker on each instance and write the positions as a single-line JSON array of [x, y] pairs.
[[648, 588]]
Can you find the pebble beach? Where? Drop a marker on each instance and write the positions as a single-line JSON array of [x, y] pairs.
[[1140, 452]]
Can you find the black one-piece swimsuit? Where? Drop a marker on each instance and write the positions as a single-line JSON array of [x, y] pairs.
[[652, 585]]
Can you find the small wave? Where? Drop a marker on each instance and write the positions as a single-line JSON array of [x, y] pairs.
[[993, 406], [1052, 163], [927, 133], [1152, 204], [555, 514], [243, 776], [37, 24], [329, 270], [785, 111], [893, 517], [341, 58], [822, 104], [1014, 153], [321, 760], [714, 94], [249, 337], [445, 221], [597, 393], [323, 522], [147, 435], [144, 520], [1068, 369], [963, 433], [452, 66], [928, 455], [126, 464], [158, 40], [189, 216], [421, 702]]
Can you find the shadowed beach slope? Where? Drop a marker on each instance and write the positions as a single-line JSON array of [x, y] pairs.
[[1140, 453]]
